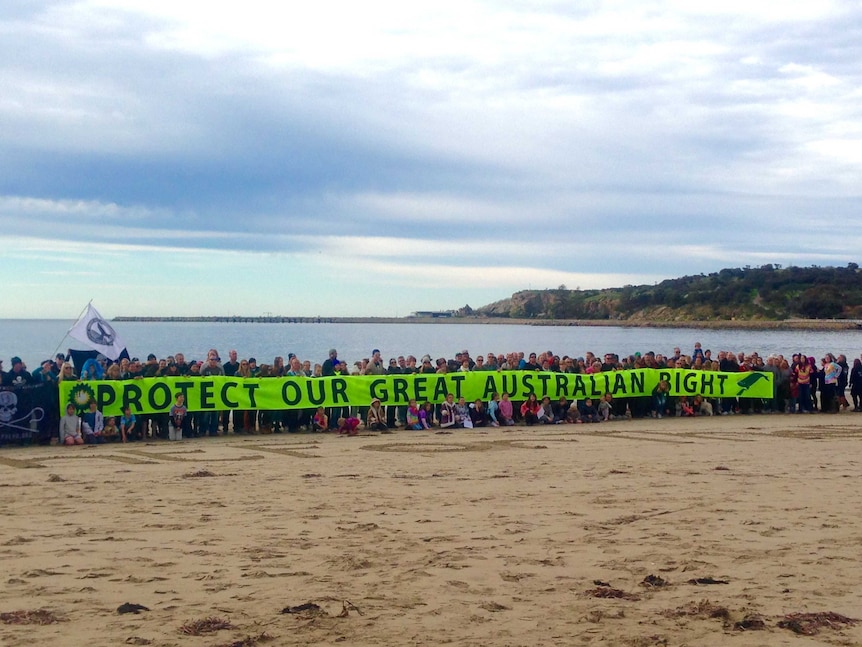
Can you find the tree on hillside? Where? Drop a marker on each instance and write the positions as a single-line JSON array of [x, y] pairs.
[[821, 302]]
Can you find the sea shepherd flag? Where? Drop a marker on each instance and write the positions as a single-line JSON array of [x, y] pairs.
[[98, 334]]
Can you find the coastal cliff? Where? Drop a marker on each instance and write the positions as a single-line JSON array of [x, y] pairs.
[[768, 293]]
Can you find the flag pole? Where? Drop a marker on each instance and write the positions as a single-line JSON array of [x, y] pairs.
[[77, 319]]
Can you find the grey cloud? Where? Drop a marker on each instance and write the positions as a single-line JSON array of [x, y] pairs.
[[642, 159]]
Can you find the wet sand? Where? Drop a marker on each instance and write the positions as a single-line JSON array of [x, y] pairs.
[[417, 538]]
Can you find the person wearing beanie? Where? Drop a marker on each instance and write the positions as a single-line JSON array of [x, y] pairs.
[[17, 375]]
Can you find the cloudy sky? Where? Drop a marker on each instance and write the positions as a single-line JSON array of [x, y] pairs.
[[165, 157]]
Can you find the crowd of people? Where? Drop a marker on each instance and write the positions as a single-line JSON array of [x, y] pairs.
[[801, 384]]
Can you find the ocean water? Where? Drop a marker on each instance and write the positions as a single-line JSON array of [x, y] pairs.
[[37, 339]]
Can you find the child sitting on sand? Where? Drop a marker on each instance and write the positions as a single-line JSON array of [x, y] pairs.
[[376, 420], [413, 416], [128, 425], [348, 426], [320, 422], [70, 428], [574, 413], [494, 409], [589, 413], [506, 411], [426, 415], [111, 433], [530, 410], [447, 412], [683, 407], [701, 406], [478, 414], [462, 414], [605, 407], [561, 410], [92, 424], [545, 414]]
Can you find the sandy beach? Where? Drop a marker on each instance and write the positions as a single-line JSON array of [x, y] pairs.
[[573, 534]]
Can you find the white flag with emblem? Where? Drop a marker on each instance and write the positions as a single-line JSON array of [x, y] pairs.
[[97, 333]]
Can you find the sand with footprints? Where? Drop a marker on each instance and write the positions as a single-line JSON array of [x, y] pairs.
[[655, 532]]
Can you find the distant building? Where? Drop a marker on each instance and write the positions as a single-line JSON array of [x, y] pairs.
[[433, 314]]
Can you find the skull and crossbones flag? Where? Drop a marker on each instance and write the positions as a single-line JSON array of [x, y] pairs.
[[28, 412], [93, 330]]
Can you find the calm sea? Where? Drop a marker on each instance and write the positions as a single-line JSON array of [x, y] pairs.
[[34, 340]]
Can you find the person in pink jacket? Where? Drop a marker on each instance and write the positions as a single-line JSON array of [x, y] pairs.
[[506, 412]]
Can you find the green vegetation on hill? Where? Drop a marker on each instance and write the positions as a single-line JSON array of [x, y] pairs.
[[768, 293]]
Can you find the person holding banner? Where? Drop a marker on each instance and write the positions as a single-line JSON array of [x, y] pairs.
[[244, 421], [231, 368], [210, 419], [208, 392], [92, 370], [293, 419], [67, 372]]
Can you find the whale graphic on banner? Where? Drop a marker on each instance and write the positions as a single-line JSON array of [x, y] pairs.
[[93, 330]]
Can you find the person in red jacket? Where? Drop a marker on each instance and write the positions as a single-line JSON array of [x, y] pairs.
[[530, 410]]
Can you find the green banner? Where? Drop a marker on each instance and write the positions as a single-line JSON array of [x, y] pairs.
[[157, 395]]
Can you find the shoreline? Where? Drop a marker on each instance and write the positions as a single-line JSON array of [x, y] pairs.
[[790, 324]]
